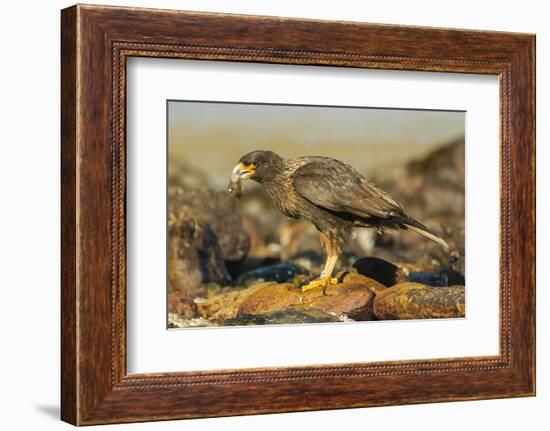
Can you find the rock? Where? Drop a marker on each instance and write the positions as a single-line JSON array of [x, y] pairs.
[[390, 274], [181, 305], [346, 299], [218, 210], [418, 301], [380, 270], [271, 298], [357, 279], [194, 258], [225, 306], [446, 163], [204, 231], [443, 277], [458, 264], [432, 190], [176, 321], [280, 273], [453, 278], [251, 263], [351, 299], [283, 317]]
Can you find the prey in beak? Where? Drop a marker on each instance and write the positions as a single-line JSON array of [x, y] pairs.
[[239, 174]]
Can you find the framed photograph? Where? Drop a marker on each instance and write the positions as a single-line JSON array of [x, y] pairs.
[[260, 262], [264, 214]]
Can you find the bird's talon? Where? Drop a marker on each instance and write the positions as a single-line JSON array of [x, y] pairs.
[[319, 282]]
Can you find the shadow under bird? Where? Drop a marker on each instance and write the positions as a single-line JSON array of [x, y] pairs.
[[330, 194]]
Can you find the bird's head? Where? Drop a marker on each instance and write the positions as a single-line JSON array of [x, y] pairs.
[[257, 165]]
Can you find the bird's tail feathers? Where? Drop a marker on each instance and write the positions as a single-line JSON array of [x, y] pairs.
[[418, 227]]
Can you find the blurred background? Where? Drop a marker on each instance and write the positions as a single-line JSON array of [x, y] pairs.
[[219, 244], [213, 136]]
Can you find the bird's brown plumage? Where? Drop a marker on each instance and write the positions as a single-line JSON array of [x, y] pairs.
[[330, 194]]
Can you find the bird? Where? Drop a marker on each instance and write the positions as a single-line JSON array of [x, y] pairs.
[[330, 194]]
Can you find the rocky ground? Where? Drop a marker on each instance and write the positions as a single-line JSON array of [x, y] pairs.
[[234, 262]]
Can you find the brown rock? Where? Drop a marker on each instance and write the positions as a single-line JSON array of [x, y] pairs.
[[181, 305], [446, 163], [432, 190], [270, 298], [419, 301], [216, 209], [349, 299], [194, 257], [226, 306], [354, 278], [204, 232]]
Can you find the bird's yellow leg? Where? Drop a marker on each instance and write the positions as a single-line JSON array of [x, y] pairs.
[[325, 278]]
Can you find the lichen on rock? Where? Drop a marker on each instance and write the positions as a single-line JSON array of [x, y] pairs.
[[418, 301]]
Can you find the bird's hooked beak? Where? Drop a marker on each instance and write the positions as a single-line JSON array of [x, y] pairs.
[[239, 174], [243, 172]]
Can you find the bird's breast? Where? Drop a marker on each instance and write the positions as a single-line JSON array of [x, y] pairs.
[[284, 197]]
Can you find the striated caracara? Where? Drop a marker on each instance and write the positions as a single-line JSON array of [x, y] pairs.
[[330, 194]]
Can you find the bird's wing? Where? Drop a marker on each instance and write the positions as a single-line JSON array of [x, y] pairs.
[[336, 186]]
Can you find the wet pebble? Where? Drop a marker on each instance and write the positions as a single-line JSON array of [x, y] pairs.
[[280, 273], [380, 270], [443, 277]]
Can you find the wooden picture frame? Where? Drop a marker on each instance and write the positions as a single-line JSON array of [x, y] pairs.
[[95, 43]]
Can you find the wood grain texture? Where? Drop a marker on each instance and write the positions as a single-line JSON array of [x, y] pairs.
[[69, 397], [96, 41]]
